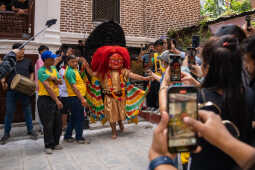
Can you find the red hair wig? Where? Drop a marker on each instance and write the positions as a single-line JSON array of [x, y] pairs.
[[100, 60]]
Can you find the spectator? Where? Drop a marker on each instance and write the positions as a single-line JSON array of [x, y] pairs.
[[5, 5], [48, 103], [212, 129], [227, 93], [249, 65], [20, 7], [76, 92], [39, 62], [65, 53], [231, 29], [152, 97], [147, 56], [25, 68]]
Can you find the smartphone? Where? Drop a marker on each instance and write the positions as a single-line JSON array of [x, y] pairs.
[[191, 55], [195, 41], [175, 68], [248, 20], [182, 102]]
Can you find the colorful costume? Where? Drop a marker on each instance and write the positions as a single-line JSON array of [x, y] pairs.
[[110, 94]]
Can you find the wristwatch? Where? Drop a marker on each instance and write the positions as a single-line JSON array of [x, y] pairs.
[[162, 160]]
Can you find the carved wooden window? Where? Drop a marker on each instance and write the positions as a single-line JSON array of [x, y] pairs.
[[106, 10]]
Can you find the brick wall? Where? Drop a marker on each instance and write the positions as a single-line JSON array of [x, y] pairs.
[[139, 18], [171, 14]]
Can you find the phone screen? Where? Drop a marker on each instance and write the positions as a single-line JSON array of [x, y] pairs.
[[175, 68], [181, 104], [191, 56]]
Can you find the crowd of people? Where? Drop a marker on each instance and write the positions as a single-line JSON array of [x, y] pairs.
[[224, 73], [226, 78], [18, 6]]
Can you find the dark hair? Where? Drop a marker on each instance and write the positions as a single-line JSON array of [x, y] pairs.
[[16, 46], [43, 47], [159, 42], [80, 41], [249, 46], [231, 29], [58, 52], [169, 41], [70, 57], [224, 58]]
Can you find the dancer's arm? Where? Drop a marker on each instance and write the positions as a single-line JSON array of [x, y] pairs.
[[138, 77]]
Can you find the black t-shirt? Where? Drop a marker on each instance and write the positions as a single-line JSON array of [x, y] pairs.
[[212, 158], [24, 68], [20, 5]]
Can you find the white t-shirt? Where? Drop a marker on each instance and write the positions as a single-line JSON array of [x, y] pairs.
[[62, 87]]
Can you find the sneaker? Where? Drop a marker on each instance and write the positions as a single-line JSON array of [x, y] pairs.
[[48, 151], [69, 140], [4, 139], [83, 141], [58, 147], [33, 135]]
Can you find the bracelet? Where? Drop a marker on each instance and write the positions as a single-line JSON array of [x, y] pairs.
[[162, 160]]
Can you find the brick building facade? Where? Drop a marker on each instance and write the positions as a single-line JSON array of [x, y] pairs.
[[143, 20]]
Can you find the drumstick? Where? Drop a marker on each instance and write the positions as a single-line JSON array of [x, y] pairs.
[[48, 24]]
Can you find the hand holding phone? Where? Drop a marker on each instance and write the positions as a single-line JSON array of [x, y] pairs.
[[175, 68], [191, 56], [182, 102]]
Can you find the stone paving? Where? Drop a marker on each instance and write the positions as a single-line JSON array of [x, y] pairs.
[[128, 152]]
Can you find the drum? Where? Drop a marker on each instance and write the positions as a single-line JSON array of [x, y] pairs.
[[23, 85]]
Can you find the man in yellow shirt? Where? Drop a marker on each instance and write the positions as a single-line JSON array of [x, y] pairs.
[[48, 103], [76, 90], [152, 97]]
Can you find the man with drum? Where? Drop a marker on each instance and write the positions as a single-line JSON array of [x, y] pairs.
[[25, 68]]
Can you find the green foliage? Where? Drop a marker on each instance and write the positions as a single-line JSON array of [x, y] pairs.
[[209, 9], [213, 10], [241, 6]]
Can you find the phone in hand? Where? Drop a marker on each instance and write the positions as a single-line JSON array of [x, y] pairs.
[[191, 56], [175, 68], [181, 101], [248, 20]]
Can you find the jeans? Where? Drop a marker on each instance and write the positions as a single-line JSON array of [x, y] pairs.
[[76, 120], [51, 119], [11, 98]]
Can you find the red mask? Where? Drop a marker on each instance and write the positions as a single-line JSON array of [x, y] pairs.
[[116, 62]]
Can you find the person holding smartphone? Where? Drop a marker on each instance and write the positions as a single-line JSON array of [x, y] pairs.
[[228, 93], [210, 128]]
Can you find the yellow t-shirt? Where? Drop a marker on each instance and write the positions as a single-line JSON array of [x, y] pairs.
[[43, 75], [157, 63], [72, 76]]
